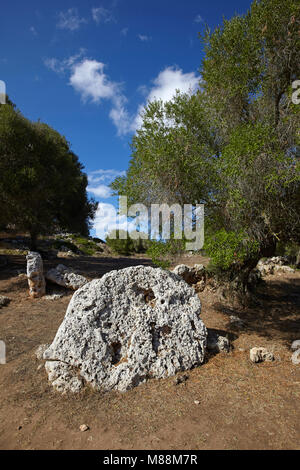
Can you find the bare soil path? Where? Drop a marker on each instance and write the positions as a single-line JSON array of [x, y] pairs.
[[241, 405]]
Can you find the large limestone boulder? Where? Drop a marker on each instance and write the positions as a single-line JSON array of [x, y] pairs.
[[65, 277], [35, 275], [130, 325]]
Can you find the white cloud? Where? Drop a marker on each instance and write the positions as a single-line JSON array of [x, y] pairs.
[[101, 14], [165, 86], [61, 66], [70, 20], [170, 80], [88, 78], [199, 19], [104, 177], [106, 220], [144, 37], [101, 191]]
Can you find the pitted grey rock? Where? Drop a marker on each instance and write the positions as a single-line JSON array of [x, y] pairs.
[[65, 277], [130, 325]]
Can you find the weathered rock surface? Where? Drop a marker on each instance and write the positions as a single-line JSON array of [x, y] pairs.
[[53, 297], [130, 325], [260, 355], [295, 344], [39, 352], [65, 277], [255, 277], [83, 428], [296, 357], [216, 342], [235, 321], [35, 275], [4, 301], [195, 276], [273, 265]]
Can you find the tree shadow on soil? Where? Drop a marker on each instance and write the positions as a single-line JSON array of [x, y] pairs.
[[277, 315], [91, 267]]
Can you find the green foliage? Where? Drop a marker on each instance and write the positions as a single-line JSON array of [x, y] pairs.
[[58, 244], [162, 252], [171, 154], [250, 61], [121, 246], [42, 185], [141, 245], [85, 245], [225, 248], [235, 144], [288, 249]]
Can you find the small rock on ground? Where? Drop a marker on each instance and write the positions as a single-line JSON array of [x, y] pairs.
[[65, 277], [54, 296], [84, 428], [261, 355], [4, 301], [216, 342], [295, 345], [296, 357]]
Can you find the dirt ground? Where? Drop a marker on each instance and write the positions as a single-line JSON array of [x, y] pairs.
[[241, 405]]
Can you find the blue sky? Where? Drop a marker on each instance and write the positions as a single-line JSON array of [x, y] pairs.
[[88, 67]]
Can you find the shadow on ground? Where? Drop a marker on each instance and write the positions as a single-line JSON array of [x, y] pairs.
[[269, 319]]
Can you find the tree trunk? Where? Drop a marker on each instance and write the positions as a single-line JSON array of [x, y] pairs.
[[238, 289]]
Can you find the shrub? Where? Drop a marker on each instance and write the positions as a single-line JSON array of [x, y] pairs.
[[225, 248], [121, 246], [162, 252]]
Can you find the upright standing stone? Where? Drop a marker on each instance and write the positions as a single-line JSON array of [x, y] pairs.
[[35, 275]]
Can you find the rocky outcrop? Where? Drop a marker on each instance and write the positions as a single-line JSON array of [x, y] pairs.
[[129, 326], [273, 265], [296, 357], [35, 275], [65, 277]]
